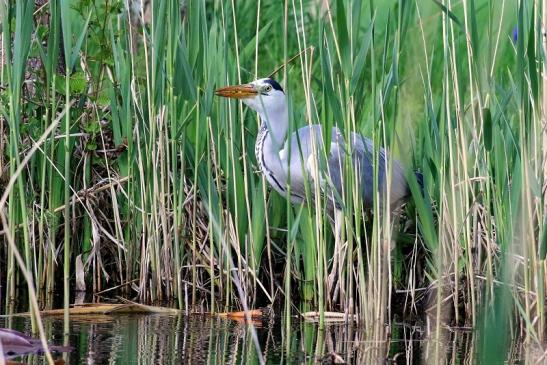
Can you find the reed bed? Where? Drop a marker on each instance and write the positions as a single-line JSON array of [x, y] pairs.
[[122, 173]]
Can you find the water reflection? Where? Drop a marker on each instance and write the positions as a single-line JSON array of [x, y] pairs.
[[160, 339]]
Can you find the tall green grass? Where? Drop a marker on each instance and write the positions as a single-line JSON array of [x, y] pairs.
[[152, 182]]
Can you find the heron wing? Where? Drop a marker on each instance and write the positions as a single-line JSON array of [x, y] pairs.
[[363, 162], [361, 172], [309, 163]]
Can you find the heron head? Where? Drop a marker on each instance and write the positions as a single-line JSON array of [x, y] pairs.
[[265, 96]]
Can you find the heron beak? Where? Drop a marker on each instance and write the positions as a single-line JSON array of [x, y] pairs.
[[237, 92]]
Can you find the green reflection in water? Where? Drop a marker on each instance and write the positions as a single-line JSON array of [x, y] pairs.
[[202, 339]]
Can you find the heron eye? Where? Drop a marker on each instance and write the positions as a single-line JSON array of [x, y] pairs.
[[268, 88]]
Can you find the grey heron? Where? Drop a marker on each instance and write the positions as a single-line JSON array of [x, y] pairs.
[[294, 160]]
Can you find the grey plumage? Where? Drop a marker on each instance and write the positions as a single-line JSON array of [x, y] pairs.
[[331, 175], [297, 160]]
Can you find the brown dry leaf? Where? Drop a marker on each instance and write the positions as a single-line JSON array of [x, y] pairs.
[[142, 308], [103, 308], [253, 314], [254, 322]]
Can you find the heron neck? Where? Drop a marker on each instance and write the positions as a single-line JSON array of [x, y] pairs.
[[276, 123]]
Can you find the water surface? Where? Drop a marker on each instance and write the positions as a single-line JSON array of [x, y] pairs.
[[202, 339]]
